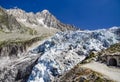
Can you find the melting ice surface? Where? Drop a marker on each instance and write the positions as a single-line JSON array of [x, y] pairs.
[[64, 50]]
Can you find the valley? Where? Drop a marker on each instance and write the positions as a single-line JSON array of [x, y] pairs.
[[37, 47]]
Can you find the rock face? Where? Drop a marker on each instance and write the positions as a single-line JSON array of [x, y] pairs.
[[12, 50], [80, 74], [113, 52], [44, 18], [17, 70], [16, 63], [8, 22], [51, 21]]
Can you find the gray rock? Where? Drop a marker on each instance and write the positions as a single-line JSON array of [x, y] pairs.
[[33, 19], [19, 63], [8, 23], [19, 70]]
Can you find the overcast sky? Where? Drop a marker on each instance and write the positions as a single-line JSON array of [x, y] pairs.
[[86, 14]]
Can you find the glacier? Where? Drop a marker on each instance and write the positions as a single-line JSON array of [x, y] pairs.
[[66, 49]]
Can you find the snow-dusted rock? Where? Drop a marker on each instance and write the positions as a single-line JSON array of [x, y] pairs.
[[39, 19]]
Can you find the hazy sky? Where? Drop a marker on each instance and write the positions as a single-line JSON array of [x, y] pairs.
[[86, 14]]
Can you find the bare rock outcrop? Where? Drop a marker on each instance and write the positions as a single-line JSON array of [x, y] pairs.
[[44, 19]]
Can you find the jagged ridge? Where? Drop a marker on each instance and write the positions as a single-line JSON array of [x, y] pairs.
[[44, 18]]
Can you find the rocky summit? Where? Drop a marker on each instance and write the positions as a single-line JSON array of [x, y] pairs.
[[37, 47], [43, 18]]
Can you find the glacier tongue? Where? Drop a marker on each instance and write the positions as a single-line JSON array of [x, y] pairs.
[[64, 50]]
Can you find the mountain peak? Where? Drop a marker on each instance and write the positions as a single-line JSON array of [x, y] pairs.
[[15, 10], [45, 11], [43, 18]]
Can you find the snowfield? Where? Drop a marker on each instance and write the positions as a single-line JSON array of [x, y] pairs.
[[64, 50]]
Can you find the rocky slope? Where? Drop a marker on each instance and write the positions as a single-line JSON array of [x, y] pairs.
[[66, 49], [113, 49], [16, 62], [8, 22], [82, 74], [17, 70], [39, 19]]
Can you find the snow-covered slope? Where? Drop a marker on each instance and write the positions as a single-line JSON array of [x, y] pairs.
[[64, 50]]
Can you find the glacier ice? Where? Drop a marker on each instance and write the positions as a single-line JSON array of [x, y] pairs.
[[66, 49]]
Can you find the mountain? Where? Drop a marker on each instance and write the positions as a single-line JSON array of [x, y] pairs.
[[20, 30], [66, 49], [8, 22], [36, 58], [39, 19], [17, 20]]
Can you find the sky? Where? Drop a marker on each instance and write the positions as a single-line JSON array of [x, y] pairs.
[[85, 14]]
